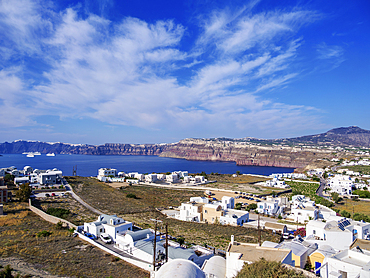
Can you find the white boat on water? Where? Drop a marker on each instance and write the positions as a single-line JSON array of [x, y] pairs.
[[36, 153], [30, 155], [50, 154]]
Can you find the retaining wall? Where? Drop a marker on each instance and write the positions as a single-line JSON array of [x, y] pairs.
[[50, 218]]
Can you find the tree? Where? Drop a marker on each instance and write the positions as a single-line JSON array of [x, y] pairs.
[[251, 206], [336, 197], [238, 172], [24, 192]]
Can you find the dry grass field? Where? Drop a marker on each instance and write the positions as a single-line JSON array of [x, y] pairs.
[[143, 209], [354, 206], [59, 253], [245, 183]]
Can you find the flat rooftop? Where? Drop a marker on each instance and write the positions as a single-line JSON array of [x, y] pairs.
[[253, 253]]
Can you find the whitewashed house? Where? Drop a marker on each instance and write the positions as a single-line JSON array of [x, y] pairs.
[[333, 233], [347, 263], [227, 202], [110, 224], [304, 210], [191, 211], [341, 184], [268, 208], [172, 178], [151, 178], [275, 182], [50, 177], [234, 217], [140, 245], [105, 172], [238, 254]]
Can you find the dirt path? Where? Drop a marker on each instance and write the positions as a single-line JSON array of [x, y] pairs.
[[24, 268]]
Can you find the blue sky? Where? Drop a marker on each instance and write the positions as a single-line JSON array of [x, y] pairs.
[[160, 71]]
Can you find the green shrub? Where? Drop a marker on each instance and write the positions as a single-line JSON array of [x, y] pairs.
[[58, 212], [345, 214], [361, 216], [43, 234], [362, 193], [131, 195], [251, 206], [267, 269]]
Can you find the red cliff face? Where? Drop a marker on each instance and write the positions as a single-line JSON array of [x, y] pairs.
[[242, 154]]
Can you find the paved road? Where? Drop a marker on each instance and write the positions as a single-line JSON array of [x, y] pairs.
[[321, 187], [82, 202]]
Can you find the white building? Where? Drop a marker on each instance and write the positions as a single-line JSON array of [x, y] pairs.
[[140, 245], [341, 184], [50, 177], [172, 178], [275, 182], [181, 174], [106, 172], [304, 210], [338, 234], [191, 212], [268, 208], [110, 224], [151, 178], [234, 217], [347, 263], [203, 200], [240, 253], [227, 202]]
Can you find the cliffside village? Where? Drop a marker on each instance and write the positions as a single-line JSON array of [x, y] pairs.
[[311, 234]]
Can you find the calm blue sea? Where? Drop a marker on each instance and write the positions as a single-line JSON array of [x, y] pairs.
[[88, 165]]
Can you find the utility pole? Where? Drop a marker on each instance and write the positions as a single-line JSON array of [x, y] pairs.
[[154, 245], [259, 231], [166, 243]]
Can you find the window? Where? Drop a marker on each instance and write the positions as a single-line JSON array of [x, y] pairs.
[[314, 232], [205, 211]]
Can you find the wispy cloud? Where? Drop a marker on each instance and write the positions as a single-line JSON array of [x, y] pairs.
[[334, 54], [126, 73]]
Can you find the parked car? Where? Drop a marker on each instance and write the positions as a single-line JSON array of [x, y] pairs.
[[91, 236], [53, 194], [105, 238], [47, 195]]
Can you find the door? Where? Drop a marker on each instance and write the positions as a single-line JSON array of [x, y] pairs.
[[317, 265]]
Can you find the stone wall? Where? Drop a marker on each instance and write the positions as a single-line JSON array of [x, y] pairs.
[[50, 218]]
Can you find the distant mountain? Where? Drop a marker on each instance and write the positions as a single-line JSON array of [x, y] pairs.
[[290, 152], [349, 136]]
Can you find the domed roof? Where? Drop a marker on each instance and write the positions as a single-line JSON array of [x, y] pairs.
[[180, 268]]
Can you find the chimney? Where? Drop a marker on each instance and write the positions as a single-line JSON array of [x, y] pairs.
[[232, 239]]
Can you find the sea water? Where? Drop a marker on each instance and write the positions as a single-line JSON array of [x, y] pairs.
[[88, 165]]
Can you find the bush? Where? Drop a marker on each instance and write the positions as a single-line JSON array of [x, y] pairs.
[[362, 193], [324, 202], [131, 195], [58, 212], [301, 232], [263, 268], [361, 216], [251, 206], [43, 234], [345, 214]]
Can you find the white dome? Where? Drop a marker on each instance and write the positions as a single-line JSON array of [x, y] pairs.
[[215, 267], [180, 268]]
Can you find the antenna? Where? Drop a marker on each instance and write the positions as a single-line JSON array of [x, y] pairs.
[[74, 173]]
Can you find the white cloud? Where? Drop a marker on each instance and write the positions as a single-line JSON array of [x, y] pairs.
[[125, 73], [333, 54]]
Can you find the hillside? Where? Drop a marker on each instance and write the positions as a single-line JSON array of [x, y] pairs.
[[290, 152], [342, 136]]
